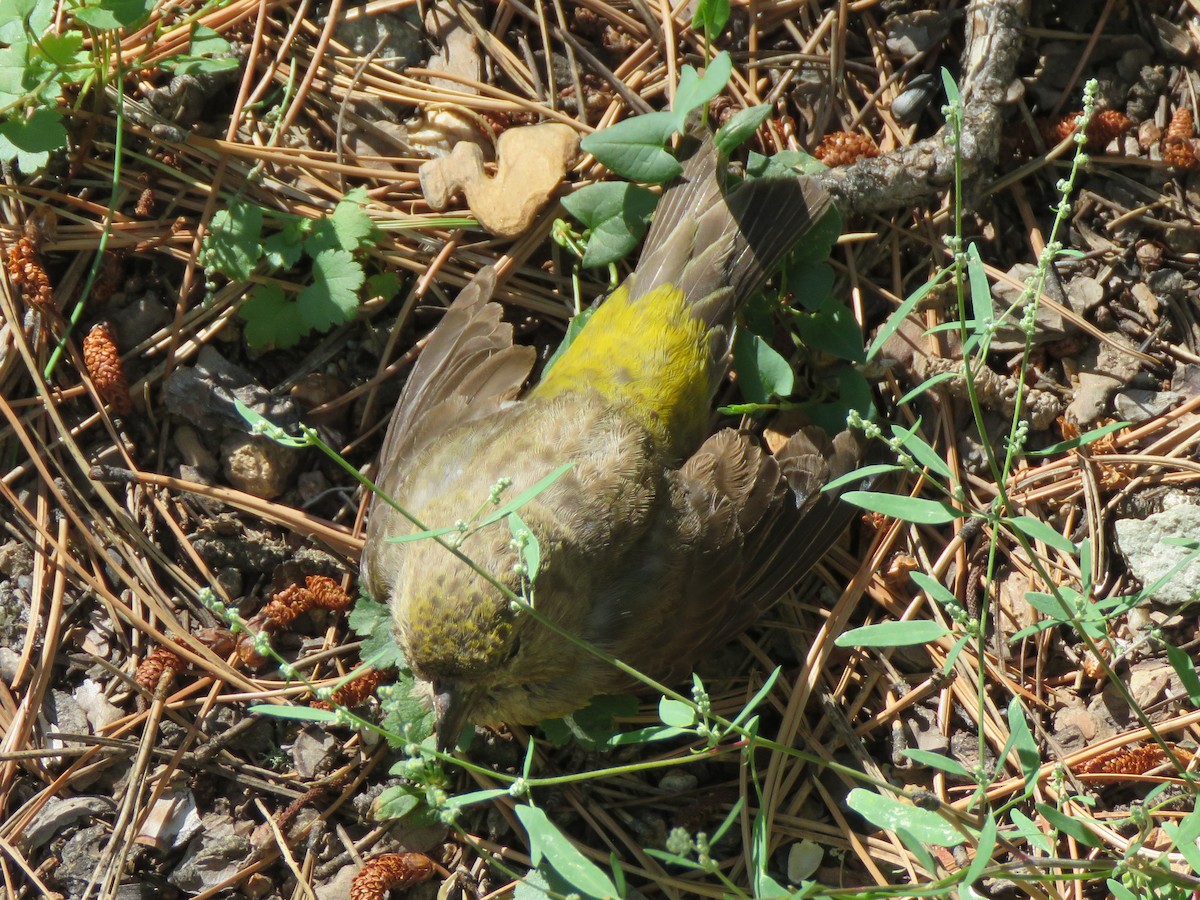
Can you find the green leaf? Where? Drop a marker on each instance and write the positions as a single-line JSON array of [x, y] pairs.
[[301, 713], [832, 329], [861, 474], [890, 814], [1033, 835], [740, 128], [1119, 891], [207, 53], [938, 761], [593, 725], [710, 17], [634, 148], [545, 840], [763, 374], [616, 214], [1037, 530], [109, 15], [676, 713], [30, 141], [531, 550], [352, 223], [233, 244], [927, 384], [759, 696], [1186, 670], [1184, 834], [574, 327], [332, 298], [272, 320], [816, 247], [1065, 824], [907, 509], [916, 447], [526, 495], [893, 634], [935, 589], [811, 283], [461, 801], [406, 714], [1023, 743], [951, 89], [760, 858], [695, 90], [20, 18], [783, 163], [383, 285], [896, 319], [396, 802], [372, 622], [985, 846], [284, 248], [981, 291], [1083, 440]]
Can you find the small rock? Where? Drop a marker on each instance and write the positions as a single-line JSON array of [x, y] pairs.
[[203, 395], [139, 319], [1084, 293], [61, 813], [218, 852], [312, 751], [258, 466], [1136, 405], [193, 451], [98, 709], [64, 716], [79, 856], [1050, 324], [1150, 557], [678, 782], [1148, 681]]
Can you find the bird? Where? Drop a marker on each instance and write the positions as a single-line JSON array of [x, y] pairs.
[[660, 538]]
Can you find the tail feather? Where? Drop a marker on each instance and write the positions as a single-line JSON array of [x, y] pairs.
[[718, 242]]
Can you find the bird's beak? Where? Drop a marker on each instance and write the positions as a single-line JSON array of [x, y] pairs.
[[450, 706]]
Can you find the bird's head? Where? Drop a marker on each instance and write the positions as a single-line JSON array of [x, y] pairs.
[[484, 661]]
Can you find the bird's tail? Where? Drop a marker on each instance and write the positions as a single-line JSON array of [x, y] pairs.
[[717, 241]]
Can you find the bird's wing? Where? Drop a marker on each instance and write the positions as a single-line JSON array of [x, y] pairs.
[[754, 523], [468, 368]]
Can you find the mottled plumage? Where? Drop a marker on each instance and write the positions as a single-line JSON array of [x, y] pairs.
[[660, 541]]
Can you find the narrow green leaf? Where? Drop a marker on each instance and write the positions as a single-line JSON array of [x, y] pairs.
[[891, 815], [470, 799], [981, 291], [896, 319], [759, 696], [1186, 670], [1023, 742], [300, 713], [985, 846], [916, 447], [1083, 440], [934, 589], [907, 509], [1037, 530], [927, 384], [545, 840], [938, 761], [893, 634], [861, 474], [1026, 828], [526, 495], [1063, 823], [421, 535]]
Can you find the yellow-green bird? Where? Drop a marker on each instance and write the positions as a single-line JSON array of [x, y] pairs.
[[661, 540]]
